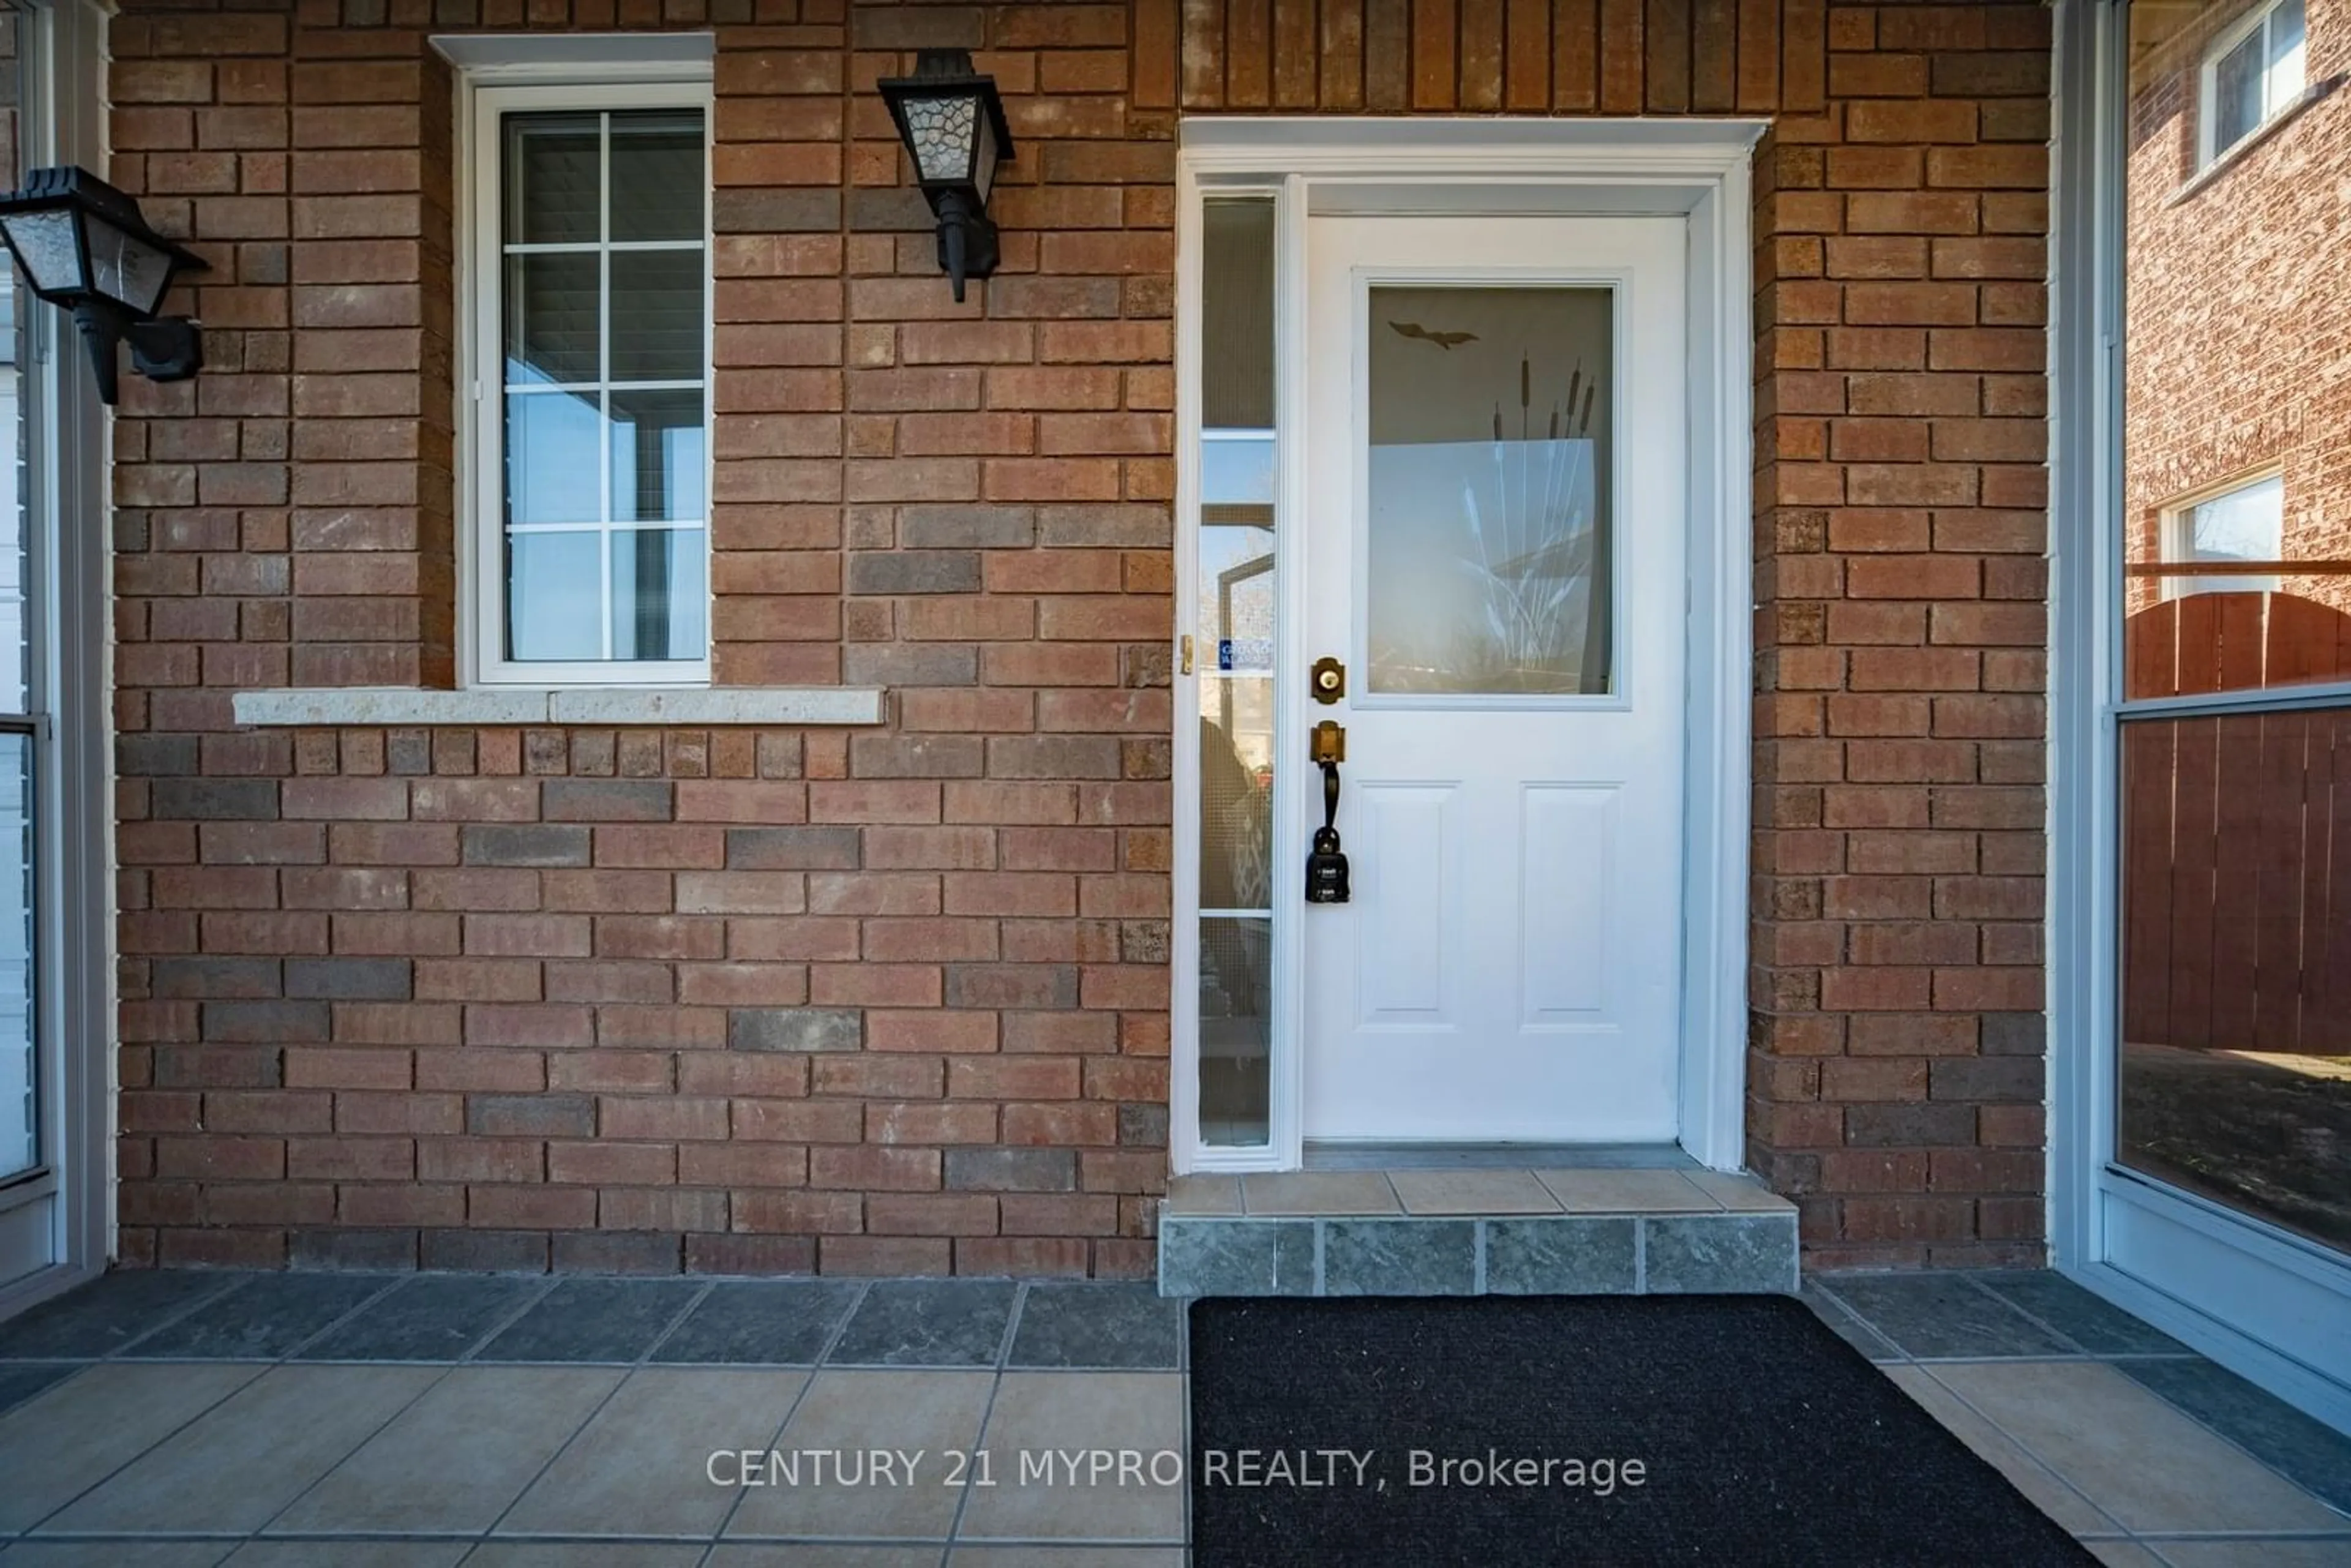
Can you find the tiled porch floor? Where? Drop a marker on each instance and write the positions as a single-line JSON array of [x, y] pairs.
[[164, 1419]]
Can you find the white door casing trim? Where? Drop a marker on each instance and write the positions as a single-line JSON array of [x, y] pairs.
[[1697, 168], [63, 120]]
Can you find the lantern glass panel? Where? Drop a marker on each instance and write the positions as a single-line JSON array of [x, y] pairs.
[[942, 130], [46, 243], [984, 158], [126, 268]]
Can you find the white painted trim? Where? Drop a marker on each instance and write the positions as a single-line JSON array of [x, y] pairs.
[[2228, 1286], [616, 706], [1718, 763], [1698, 167], [573, 58], [71, 621], [481, 98]]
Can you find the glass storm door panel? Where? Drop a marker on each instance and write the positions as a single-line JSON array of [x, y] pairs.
[[2232, 1069], [1495, 545], [1486, 554]]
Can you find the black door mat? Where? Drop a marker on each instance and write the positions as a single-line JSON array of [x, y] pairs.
[[1575, 1431]]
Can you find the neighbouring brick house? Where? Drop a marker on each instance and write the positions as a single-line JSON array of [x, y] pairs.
[[2271, 303], [754, 997]]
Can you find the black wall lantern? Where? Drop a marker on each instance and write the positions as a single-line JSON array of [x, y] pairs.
[[85, 248], [951, 120]]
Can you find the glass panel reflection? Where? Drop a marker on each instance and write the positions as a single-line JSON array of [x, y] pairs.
[[657, 176], [660, 601], [551, 457], [552, 304], [555, 593], [2237, 573], [20, 1146], [657, 316], [657, 456], [1236, 1033], [2236, 983], [1488, 554], [551, 182]]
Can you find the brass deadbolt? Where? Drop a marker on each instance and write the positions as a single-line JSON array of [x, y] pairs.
[[1328, 681]]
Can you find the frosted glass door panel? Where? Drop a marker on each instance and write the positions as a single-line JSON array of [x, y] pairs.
[[1488, 538]]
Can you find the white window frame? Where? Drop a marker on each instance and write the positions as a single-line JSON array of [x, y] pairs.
[[2177, 538], [2275, 101], [2261, 1301], [493, 90]]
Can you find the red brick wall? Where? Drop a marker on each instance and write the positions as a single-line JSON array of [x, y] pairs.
[[501, 996], [2240, 302]]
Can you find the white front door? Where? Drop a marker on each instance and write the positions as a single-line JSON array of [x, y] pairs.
[[1497, 456]]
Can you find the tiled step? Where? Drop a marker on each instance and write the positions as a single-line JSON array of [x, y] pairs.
[[1465, 1233]]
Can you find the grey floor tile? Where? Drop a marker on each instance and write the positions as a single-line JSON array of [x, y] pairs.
[[584, 1554], [926, 1323], [2051, 1495], [2114, 1553], [798, 1555], [612, 1321], [1066, 1557], [2141, 1461], [1318, 1193], [1204, 1194], [1719, 1252], [936, 1412], [1850, 1329], [2307, 1451], [263, 1319], [760, 1322], [432, 1317], [1568, 1255], [1581, 1191], [1939, 1315], [102, 1317], [2098, 1326], [1237, 1256], [1399, 1257], [640, 1467], [22, 1380], [453, 1462], [2271, 1552], [115, 1553], [58, 1446], [233, 1468], [348, 1554], [1472, 1192], [1099, 1326], [1107, 1413]]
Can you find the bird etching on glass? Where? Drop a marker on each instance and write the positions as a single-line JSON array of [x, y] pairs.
[[1448, 341]]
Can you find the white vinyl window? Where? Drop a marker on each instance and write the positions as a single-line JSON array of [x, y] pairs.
[[2240, 530], [591, 385], [2253, 72]]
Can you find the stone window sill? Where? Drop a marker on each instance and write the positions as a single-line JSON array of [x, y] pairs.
[[616, 706]]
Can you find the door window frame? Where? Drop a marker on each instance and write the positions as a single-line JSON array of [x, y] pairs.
[[1364, 166], [2248, 1294]]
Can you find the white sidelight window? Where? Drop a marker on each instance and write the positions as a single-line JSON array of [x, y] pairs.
[[591, 384]]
